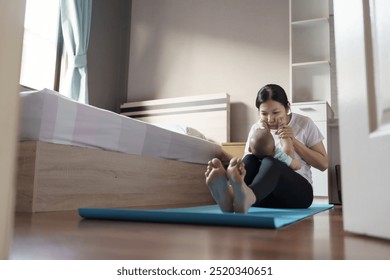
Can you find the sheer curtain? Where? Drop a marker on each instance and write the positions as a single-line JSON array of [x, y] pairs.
[[76, 23]]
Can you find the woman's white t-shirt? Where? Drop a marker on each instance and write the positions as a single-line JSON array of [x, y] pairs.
[[304, 130]]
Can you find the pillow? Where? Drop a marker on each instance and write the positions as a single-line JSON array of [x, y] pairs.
[[182, 129], [193, 132]]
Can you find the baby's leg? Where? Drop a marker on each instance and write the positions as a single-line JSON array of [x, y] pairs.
[[216, 180], [243, 195]]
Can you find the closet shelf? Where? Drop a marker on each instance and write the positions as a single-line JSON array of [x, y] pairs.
[[311, 64], [307, 22]]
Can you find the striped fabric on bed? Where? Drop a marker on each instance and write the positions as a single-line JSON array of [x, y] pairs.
[[50, 117]]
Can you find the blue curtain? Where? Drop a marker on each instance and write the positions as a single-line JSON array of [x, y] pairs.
[[76, 23]]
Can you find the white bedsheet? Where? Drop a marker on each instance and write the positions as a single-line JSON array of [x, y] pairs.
[[50, 117]]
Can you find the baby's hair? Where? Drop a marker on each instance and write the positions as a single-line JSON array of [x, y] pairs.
[[262, 143]]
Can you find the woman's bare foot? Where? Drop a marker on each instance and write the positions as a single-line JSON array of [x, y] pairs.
[[243, 195], [217, 182]]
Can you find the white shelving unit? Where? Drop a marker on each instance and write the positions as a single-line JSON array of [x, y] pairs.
[[310, 51], [321, 113], [311, 86]]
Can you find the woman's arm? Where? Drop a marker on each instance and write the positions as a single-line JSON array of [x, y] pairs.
[[316, 156]]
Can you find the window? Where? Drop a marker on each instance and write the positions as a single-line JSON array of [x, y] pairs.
[[41, 53]]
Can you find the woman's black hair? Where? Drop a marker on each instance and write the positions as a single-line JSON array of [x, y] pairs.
[[272, 92]]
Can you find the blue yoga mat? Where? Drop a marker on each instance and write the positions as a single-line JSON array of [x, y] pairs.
[[208, 215]]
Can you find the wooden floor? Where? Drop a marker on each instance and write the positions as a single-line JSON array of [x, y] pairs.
[[64, 235]]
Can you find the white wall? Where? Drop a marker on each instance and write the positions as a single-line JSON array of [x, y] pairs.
[[11, 32], [194, 47]]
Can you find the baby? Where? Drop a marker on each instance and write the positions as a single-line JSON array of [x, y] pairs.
[[262, 144]]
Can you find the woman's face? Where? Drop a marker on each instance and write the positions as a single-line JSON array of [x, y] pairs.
[[273, 112]]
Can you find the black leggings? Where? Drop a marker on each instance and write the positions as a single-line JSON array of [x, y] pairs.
[[275, 184]]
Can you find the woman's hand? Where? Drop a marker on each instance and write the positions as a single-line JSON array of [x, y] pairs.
[[285, 132], [264, 124]]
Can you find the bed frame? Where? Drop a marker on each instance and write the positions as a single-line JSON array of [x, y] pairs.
[[54, 177], [209, 114]]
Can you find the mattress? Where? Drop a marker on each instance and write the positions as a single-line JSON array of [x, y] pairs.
[[50, 117]]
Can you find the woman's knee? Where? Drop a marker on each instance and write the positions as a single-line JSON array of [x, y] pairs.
[[249, 158], [252, 165], [271, 163], [271, 160]]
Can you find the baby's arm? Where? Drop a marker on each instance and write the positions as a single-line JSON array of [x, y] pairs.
[[286, 142], [294, 164], [287, 146]]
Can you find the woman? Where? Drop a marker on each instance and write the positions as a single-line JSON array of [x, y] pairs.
[[269, 182]]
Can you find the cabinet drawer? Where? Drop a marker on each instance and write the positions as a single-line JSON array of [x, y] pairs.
[[315, 111]]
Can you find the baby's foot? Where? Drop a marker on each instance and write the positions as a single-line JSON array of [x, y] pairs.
[[216, 180], [243, 195]]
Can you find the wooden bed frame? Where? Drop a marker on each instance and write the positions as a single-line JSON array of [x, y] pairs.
[[54, 177]]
